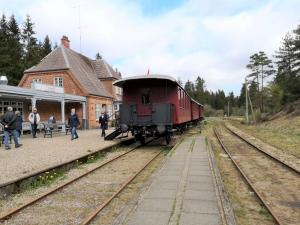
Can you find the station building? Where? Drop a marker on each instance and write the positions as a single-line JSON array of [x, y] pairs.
[[62, 80]]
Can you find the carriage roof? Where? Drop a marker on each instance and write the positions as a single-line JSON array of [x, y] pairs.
[[121, 82]]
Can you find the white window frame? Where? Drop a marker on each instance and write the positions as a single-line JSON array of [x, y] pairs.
[[58, 82], [97, 110], [38, 80]]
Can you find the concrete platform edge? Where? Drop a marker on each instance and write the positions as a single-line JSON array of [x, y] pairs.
[[223, 199]]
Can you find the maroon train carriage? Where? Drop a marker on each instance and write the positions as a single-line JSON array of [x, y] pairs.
[[154, 105]]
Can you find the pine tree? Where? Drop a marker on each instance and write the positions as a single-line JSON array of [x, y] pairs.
[[15, 52], [189, 88], [199, 89], [4, 48], [286, 72], [32, 48], [46, 47], [261, 67], [98, 56], [296, 43], [242, 97]]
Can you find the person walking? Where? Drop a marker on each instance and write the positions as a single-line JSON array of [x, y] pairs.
[[9, 123], [103, 120], [19, 121], [34, 119], [73, 123]]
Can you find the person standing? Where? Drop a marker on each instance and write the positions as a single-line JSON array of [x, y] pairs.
[[19, 121], [103, 120], [34, 119], [9, 123], [73, 123]]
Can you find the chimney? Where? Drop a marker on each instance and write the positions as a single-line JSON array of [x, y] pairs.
[[3, 80], [65, 41]]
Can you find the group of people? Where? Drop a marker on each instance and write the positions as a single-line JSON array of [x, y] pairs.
[[12, 123]]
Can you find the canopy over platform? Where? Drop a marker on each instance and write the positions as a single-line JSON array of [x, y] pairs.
[[7, 91]]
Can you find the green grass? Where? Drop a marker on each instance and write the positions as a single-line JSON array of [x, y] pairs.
[[283, 134]]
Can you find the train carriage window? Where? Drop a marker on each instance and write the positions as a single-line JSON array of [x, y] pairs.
[[145, 96]]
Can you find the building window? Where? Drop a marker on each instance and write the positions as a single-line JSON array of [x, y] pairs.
[[16, 106], [116, 107], [58, 82], [145, 96], [39, 81], [118, 90], [98, 110]]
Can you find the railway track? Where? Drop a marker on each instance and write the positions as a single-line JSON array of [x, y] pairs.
[[275, 183], [16, 185], [263, 151], [81, 199]]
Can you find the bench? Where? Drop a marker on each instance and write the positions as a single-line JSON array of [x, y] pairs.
[[55, 128], [26, 127], [67, 127]]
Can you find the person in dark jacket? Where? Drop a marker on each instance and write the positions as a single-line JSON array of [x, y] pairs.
[[9, 123], [19, 121], [73, 123], [103, 120]]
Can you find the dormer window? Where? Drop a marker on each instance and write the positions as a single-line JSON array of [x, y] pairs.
[[58, 82]]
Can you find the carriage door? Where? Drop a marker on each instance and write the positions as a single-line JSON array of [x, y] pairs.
[[144, 106]]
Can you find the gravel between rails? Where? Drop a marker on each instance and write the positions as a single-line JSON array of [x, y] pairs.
[[71, 204], [277, 184]]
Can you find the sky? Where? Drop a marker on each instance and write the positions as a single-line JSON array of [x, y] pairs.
[[182, 38]]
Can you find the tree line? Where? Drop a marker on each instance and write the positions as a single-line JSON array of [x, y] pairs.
[[216, 103], [19, 48], [282, 73], [271, 82]]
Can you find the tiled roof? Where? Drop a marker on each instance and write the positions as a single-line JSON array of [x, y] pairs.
[[104, 70], [86, 71]]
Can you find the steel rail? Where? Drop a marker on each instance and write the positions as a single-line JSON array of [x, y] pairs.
[[261, 150], [278, 221], [88, 219], [18, 209], [34, 174]]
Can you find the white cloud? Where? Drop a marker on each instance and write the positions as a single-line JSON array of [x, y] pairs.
[[213, 39]]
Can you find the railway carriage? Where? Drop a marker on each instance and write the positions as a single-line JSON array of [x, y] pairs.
[[155, 105]]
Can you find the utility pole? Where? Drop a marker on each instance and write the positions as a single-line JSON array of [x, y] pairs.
[[246, 113], [228, 108]]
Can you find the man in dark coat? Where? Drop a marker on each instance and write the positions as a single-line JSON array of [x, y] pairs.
[[73, 123], [103, 120], [9, 123], [19, 121]]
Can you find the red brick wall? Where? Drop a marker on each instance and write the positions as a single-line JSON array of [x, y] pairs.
[[91, 109], [70, 86]]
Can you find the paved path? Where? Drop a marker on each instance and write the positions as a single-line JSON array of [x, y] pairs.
[[183, 193], [41, 153]]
